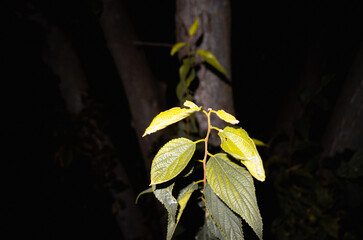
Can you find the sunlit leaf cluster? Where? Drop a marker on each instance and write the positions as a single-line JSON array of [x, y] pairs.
[[227, 187]]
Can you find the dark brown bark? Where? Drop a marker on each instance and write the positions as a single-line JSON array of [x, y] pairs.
[[62, 59], [345, 129], [145, 95], [215, 30]]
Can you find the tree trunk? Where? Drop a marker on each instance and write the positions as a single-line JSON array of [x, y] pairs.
[[62, 59], [215, 31], [145, 95], [345, 129]]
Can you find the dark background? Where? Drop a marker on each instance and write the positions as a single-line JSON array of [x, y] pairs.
[[271, 43]]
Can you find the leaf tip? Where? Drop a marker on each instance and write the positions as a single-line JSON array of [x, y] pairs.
[[194, 27], [191, 105]]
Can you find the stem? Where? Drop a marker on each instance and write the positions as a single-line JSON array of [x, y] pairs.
[[200, 140], [188, 46], [199, 181], [206, 147], [215, 128]]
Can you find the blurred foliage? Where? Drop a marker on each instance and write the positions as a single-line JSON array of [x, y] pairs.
[[319, 197]]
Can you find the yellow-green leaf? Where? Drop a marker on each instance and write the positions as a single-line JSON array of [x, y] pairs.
[[226, 117], [258, 142], [237, 143], [168, 117], [212, 60], [177, 46], [234, 186], [171, 159], [184, 196], [194, 27]]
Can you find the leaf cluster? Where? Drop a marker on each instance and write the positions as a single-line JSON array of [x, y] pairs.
[[228, 189], [187, 71]]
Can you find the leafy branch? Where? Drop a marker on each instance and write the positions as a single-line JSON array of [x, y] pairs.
[[226, 185], [228, 191]]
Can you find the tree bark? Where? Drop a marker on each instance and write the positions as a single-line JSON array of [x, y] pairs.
[[145, 95], [215, 31], [345, 129], [62, 59]]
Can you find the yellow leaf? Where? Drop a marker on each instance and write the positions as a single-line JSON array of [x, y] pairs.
[[177, 46], [194, 27], [226, 117], [258, 142], [237, 143], [171, 116]]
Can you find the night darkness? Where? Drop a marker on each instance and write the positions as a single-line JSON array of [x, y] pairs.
[[55, 191]]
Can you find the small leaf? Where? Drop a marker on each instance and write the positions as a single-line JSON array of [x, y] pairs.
[[184, 196], [183, 199], [168, 117], [228, 223], [212, 60], [177, 46], [181, 89], [258, 142], [190, 78], [171, 159], [183, 71], [234, 185], [194, 27], [185, 68], [237, 143], [226, 117], [149, 190]]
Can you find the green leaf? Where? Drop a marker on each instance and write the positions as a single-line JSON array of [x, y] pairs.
[[214, 231], [190, 78], [228, 223], [212, 60], [149, 190], [226, 117], [185, 68], [183, 85], [171, 159], [234, 185], [237, 143], [177, 46], [181, 89], [168, 117], [194, 27], [209, 231], [165, 196]]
